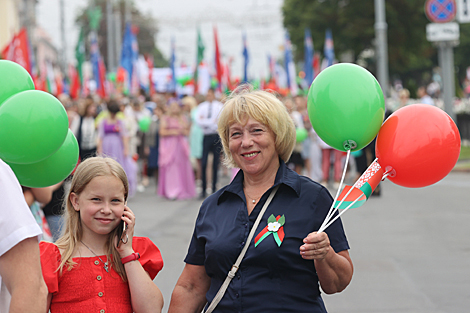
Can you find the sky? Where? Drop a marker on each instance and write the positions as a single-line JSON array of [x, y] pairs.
[[179, 19]]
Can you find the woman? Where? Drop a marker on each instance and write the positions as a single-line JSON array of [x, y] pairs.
[[276, 275], [196, 136], [85, 130], [175, 173]]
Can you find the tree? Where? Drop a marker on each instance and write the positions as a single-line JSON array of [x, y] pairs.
[[411, 56], [145, 24]]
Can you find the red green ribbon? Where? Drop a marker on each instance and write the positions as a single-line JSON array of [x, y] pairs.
[[277, 234]]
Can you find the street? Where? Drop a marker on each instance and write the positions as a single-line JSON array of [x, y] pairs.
[[410, 247]]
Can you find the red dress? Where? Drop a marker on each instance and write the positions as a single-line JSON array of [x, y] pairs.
[[88, 287]]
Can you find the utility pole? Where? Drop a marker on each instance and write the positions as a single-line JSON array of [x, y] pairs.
[[110, 36], [381, 45], [63, 57], [117, 36], [127, 14], [446, 62]]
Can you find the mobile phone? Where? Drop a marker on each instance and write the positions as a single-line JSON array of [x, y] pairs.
[[122, 233]]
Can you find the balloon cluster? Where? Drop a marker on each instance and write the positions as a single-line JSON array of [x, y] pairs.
[[35, 140], [417, 146]]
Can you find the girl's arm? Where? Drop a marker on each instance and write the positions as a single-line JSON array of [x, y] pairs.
[[189, 295], [145, 295]]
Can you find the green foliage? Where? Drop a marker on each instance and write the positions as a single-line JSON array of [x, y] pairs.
[[147, 29], [411, 57], [464, 153]]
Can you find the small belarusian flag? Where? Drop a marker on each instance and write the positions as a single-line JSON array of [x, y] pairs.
[[364, 186]]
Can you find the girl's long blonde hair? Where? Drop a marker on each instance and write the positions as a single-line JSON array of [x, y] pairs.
[[72, 234]]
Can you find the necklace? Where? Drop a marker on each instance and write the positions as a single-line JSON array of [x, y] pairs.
[[253, 200], [105, 264]]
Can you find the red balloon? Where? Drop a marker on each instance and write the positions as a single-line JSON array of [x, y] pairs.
[[419, 145]]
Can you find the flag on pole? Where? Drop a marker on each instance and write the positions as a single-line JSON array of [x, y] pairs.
[[308, 57], [290, 66], [172, 66], [150, 70], [97, 67], [18, 51], [199, 58], [316, 64], [364, 186], [102, 88], [246, 59], [129, 54], [218, 64], [80, 56], [50, 78], [328, 50], [74, 90]]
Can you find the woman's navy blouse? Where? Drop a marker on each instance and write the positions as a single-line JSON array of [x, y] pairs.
[[271, 278]]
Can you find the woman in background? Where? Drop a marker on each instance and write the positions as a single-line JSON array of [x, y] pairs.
[[176, 176]]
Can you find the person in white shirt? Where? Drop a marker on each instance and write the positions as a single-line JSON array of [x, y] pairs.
[[424, 97], [207, 117], [84, 128], [22, 287]]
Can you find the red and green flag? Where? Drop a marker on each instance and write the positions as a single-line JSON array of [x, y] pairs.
[[362, 189]]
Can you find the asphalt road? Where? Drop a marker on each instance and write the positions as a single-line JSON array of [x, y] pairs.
[[410, 247]]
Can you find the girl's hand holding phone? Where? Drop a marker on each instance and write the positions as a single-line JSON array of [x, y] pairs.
[[124, 243]]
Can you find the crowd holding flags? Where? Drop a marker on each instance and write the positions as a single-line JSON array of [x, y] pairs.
[[137, 72]]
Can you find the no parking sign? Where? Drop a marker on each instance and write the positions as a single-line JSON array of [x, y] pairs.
[[440, 11]]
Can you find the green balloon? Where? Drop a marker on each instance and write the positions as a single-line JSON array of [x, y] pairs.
[[144, 124], [346, 106], [301, 134], [34, 125], [13, 79], [51, 170]]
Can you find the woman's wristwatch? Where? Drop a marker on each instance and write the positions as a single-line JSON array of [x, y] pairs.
[[133, 257]]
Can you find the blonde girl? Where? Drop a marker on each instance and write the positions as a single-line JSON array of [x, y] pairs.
[[92, 267]]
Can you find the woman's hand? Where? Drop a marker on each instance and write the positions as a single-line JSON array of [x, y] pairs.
[[125, 248], [334, 270], [316, 246]]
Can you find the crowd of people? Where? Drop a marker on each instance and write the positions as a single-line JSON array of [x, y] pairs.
[[172, 143]]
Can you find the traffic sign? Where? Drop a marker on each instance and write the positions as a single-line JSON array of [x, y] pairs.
[[440, 11], [463, 11], [442, 32]]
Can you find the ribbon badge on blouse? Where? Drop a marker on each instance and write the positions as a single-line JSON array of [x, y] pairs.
[[275, 227]]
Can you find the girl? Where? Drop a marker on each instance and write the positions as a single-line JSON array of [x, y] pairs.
[[113, 141], [92, 267]]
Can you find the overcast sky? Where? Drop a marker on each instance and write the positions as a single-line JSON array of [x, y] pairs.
[[260, 19]]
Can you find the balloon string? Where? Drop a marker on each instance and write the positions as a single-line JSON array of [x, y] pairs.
[[337, 216], [331, 211]]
